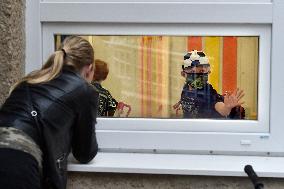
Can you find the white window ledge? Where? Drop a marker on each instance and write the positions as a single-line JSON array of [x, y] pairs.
[[211, 165]]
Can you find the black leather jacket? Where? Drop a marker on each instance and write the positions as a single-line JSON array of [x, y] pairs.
[[67, 109]]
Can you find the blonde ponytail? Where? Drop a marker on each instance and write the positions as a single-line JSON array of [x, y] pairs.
[[75, 51], [50, 69]]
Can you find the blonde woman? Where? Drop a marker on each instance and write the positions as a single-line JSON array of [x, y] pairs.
[[50, 112]]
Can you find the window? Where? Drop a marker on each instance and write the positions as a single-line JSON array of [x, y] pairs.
[[145, 71], [252, 25]]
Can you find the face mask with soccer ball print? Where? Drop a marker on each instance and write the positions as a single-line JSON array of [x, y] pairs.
[[197, 80]]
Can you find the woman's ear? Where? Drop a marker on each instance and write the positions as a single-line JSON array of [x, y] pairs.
[[88, 72], [91, 68]]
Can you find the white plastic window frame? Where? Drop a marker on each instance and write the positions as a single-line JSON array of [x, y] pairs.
[[261, 18], [196, 125]]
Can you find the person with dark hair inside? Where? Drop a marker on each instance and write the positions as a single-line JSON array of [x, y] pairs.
[[199, 99], [107, 104], [50, 112]]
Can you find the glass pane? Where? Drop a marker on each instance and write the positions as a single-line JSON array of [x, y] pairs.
[[148, 76]]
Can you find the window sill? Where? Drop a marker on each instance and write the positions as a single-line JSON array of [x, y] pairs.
[[180, 164]]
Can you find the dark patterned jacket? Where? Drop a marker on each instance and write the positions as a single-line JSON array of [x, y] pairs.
[[107, 104], [200, 103]]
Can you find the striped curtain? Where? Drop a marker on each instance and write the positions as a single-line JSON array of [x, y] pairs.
[[154, 75], [234, 63]]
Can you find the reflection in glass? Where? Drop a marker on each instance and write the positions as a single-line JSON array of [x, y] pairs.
[[145, 71]]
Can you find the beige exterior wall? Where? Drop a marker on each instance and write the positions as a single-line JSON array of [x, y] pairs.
[[12, 57], [143, 181], [12, 44]]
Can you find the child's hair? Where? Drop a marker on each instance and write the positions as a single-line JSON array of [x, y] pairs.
[[101, 70], [74, 51]]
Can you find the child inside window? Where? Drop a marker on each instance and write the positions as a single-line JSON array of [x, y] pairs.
[[199, 99], [107, 104]]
